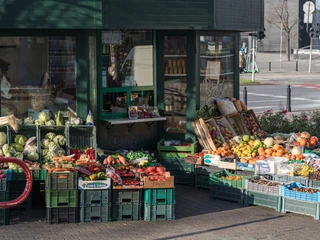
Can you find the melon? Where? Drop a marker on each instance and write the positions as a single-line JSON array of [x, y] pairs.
[[296, 151], [268, 142]]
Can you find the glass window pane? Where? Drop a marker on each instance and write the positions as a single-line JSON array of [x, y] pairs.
[[127, 58], [114, 102], [175, 84], [216, 67], [36, 70]]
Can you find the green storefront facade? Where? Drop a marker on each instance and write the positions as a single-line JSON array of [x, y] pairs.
[[108, 55]]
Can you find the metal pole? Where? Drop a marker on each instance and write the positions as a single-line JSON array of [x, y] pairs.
[[297, 67], [310, 57], [269, 65], [289, 98], [245, 96], [253, 56], [281, 29]]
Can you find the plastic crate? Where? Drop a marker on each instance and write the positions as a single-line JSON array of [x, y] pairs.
[[61, 198], [263, 199], [288, 193], [176, 164], [37, 175], [314, 183], [127, 196], [4, 217], [215, 178], [202, 181], [126, 212], [160, 196], [63, 215], [206, 170], [28, 131], [4, 196], [245, 173], [226, 193], [26, 204], [256, 187], [287, 179], [156, 212], [95, 198], [188, 149], [61, 181], [183, 178], [82, 137], [100, 213], [4, 185], [301, 207]]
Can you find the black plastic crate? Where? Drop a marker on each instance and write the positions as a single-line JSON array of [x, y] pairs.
[[127, 196], [226, 193], [61, 181], [183, 178], [245, 173], [202, 181], [4, 217], [156, 212], [206, 170], [26, 204], [95, 213], [28, 131], [4, 185], [7, 130], [127, 212], [63, 215], [95, 197], [81, 137]]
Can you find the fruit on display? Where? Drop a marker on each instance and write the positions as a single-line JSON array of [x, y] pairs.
[[236, 128], [306, 190], [90, 152], [215, 135], [114, 159], [268, 142], [305, 170], [252, 126], [125, 170], [226, 133], [232, 178], [223, 151], [245, 146], [250, 160], [314, 176], [265, 182], [304, 139], [296, 151]]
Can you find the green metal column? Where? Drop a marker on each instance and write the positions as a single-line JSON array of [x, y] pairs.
[[236, 83]]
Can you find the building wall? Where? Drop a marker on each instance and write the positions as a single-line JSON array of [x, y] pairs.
[[271, 43]]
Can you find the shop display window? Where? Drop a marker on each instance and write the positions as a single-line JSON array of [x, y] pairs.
[[216, 67], [36, 72]]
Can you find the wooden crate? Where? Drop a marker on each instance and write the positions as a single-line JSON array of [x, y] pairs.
[[235, 118]]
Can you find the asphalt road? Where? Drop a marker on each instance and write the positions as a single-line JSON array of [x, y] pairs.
[[266, 97]]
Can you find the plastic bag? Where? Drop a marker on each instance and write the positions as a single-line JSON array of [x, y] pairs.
[[225, 107], [59, 119], [110, 172]]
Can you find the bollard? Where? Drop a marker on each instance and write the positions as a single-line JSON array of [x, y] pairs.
[[269, 66], [297, 66], [289, 98], [245, 92]]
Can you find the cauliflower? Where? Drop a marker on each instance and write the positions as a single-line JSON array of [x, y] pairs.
[[28, 121], [50, 123], [43, 117], [3, 138], [53, 147], [50, 136], [45, 143], [5, 148], [44, 152], [60, 139], [38, 122], [20, 139]]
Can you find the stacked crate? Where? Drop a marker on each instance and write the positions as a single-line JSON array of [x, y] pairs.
[[127, 204], [95, 205], [159, 204], [202, 175], [4, 213], [173, 159], [15, 190], [62, 197]]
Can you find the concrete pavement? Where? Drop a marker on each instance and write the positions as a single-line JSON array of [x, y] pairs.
[[197, 217]]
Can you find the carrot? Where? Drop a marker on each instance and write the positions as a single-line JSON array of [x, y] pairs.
[[122, 160]]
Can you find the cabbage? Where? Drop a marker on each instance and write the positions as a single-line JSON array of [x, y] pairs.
[[50, 123], [18, 155], [20, 139], [3, 138], [39, 122], [60, 139], [45, 143], [17, 147], [32, 156], [5, 148], [28, 121], [50, 136], [53, 147], [7, 154], [44, 152], [13, 166], [43, 117], [1, 153]]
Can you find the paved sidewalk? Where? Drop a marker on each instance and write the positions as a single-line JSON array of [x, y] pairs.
[[197, 217]]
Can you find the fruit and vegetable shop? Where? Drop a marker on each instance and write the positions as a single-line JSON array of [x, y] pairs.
[[107, 106]]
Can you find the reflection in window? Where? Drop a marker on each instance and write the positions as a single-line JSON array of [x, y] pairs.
[[127, 58], [216, 67], [34, 72]]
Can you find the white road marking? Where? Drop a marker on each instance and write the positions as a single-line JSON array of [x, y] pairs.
[[266, 101]]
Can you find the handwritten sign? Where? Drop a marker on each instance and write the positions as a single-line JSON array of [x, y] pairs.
[[213, 70]]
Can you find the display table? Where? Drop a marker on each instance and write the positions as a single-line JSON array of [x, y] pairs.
[[130, 122]]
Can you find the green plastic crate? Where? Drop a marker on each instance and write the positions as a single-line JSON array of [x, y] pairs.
[[127, 212], [160, 196], [202, 181], [156, 212], [172, 154], [183, 178], [215, 178], [95, 213], [127, 196], [263, 199], [61, 181], [176, 164], [61, 198], [301, 207], [26, 204], [4, 217], [190, 149], [226, 193], [37, 175], [95, 197], [63, 215]]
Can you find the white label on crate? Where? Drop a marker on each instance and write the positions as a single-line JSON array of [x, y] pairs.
[[93, 185]]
